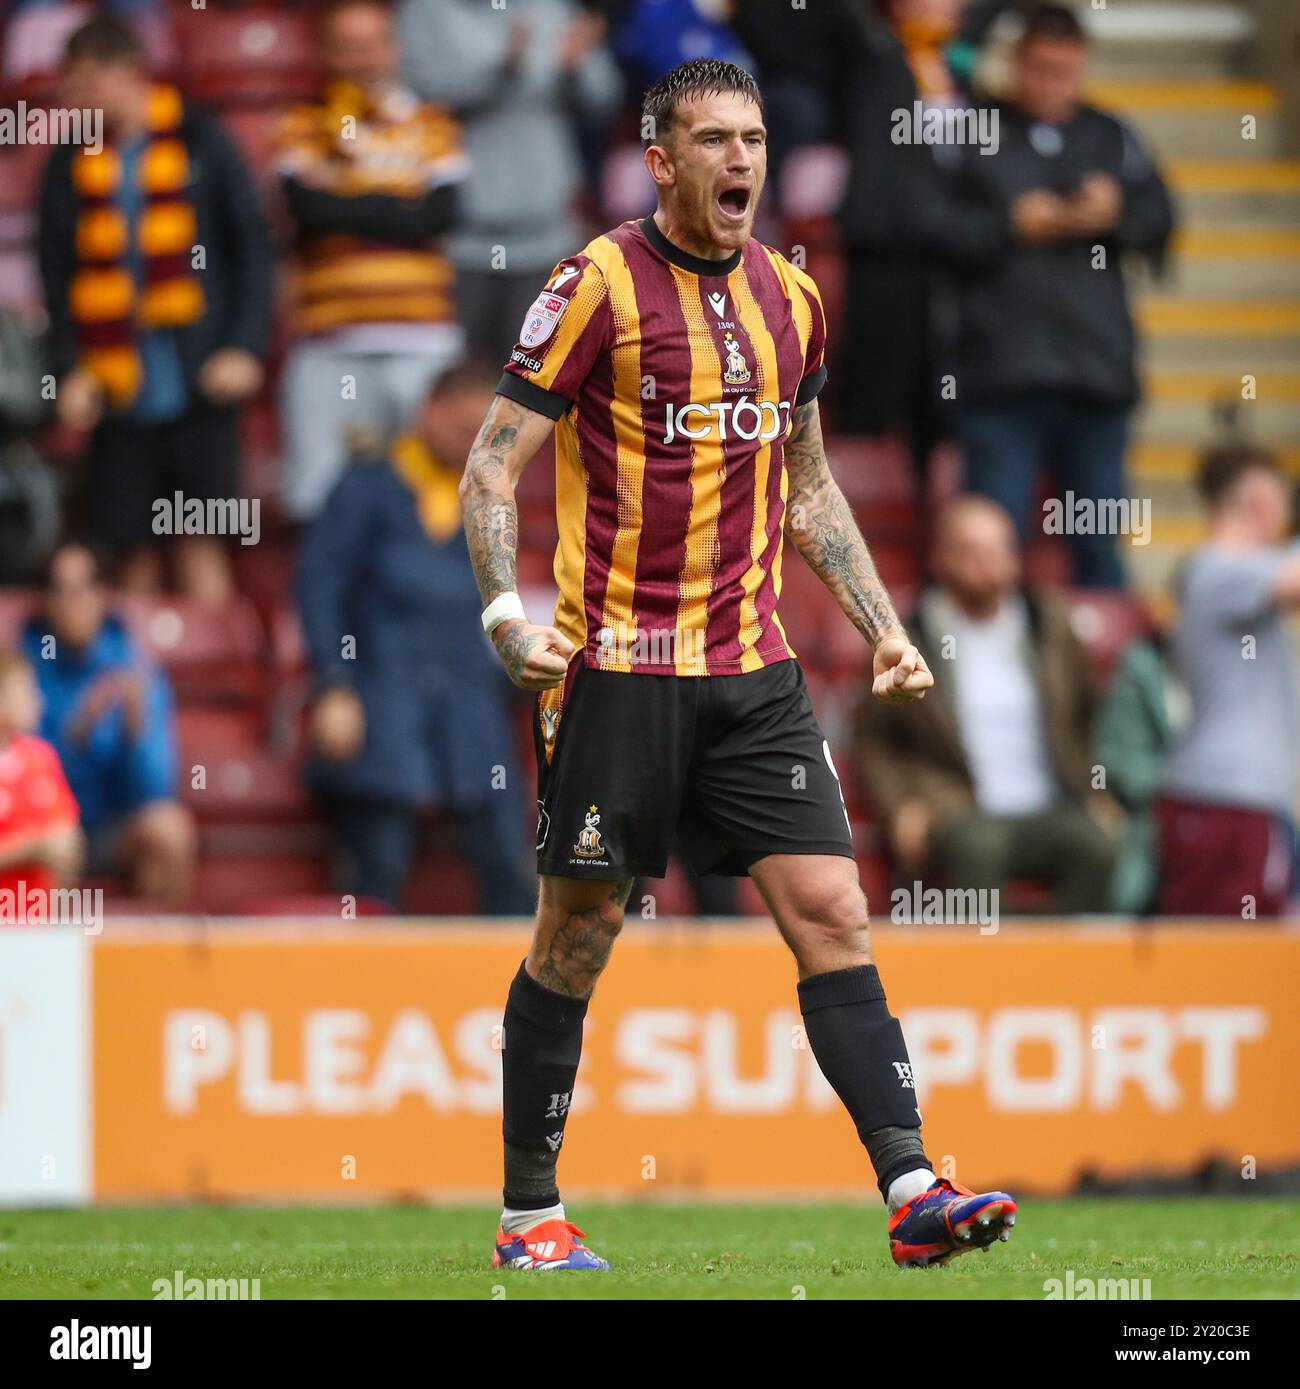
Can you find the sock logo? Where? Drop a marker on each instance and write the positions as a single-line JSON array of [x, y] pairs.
[[553, 1140], [559, 1106], [904, 1070]]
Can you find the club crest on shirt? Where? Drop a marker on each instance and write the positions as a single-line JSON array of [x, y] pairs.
[[590, 841], [540, 320], [737, 372]]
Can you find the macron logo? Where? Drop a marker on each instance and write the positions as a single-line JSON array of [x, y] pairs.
[[718, 302]]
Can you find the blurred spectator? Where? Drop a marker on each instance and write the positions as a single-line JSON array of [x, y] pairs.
[[1226, 836], [157, 268], [515, 79], [40, 844], [656, 35], [411, 710], [109, 713], [1144, 709], [369, 174], [1045, 373], [803, 55], [989, 779], [30, 510], [909, 220]]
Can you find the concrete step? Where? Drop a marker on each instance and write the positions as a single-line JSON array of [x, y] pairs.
[[1187, 37], [1160, 419], [1250, 262], [1169, 316], [1198, 120], [1174, 466], [1215, 193], [1224, 355]]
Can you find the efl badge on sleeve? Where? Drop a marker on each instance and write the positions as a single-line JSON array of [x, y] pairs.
[[540, 320]]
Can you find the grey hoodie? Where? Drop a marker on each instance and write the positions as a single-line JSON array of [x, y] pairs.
[[519, 132]]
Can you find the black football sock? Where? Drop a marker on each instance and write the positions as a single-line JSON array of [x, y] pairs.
[[542, 1047], [859, 1046]]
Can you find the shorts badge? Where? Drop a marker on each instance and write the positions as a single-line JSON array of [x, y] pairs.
[[590, 843]]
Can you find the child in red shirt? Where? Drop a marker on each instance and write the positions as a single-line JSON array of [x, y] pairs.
[[40, 839]]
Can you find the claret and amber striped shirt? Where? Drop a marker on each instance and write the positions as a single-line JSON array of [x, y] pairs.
[[672, 381]]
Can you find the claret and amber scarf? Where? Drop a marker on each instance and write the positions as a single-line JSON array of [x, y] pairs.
[[436, 489], [107, 304]]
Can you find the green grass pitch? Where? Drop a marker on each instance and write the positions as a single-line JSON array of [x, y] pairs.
[[1189, 1247]]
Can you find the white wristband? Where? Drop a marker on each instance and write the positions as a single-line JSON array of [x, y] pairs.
[[505, 607]]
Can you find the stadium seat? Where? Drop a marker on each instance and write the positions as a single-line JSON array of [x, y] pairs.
[[211, 655], [872, 471], [20, 284], [1048, 563], [441, 886], [813, 179], [249, 57], [243, 784], [255, 130], [625, 189], [34, 41], [1106, 622], [226, 883], [311, 906]]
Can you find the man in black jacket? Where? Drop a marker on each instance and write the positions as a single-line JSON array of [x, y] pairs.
[[157, 268], [1045, 374], [909, 221], [369, 173]]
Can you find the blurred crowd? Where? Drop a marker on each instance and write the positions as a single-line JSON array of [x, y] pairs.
[[340, 263]]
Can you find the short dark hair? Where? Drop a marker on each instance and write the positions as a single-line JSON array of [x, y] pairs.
[[1053, 21], [105, 38], [700, 77], [74, 542], [1223, 467]]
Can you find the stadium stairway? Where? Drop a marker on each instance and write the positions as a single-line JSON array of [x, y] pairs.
[[1221, 351]]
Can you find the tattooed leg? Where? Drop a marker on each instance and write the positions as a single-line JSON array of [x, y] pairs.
[[576, 926]]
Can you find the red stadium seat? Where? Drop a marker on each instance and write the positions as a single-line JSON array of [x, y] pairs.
[[211, 655], [1107, 622], [813, 179], [441, 886], [243, 784], [255, 130], [311, 906], [16, 606], [34, 42], [20, 284], [207, 729], [872, 472], [625, 188], [226, 883], [258, 56]]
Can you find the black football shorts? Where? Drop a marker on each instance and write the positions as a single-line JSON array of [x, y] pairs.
[[732, 767]]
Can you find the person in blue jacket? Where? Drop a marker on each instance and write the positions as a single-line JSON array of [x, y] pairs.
[[110, 714], [411, 708]]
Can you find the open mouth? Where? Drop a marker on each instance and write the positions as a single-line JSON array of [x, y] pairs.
[[734, 202]]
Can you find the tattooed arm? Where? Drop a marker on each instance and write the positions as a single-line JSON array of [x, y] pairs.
[[820, 525], [534, 657]]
